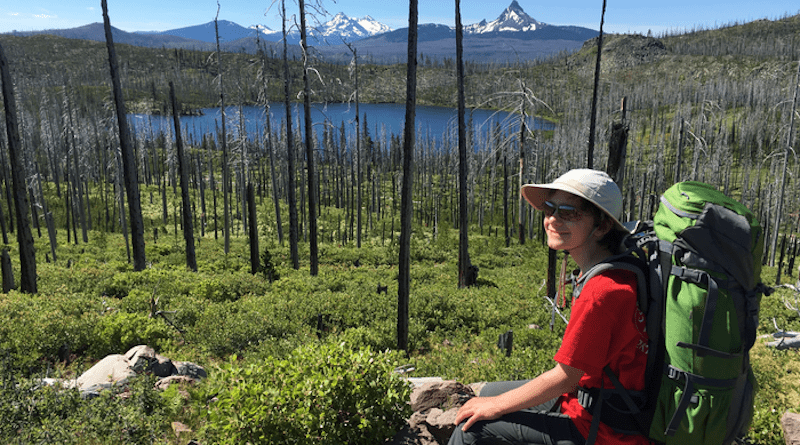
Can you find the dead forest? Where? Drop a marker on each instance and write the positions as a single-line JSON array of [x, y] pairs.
[[716, 105]]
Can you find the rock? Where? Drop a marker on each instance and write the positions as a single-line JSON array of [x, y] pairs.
[[443, 395], [190, 369], [141, 357], [441, 423], [419, 381], [174, 379], [435, 403], [180, 428], [163, 367], [790, 422], [113, 370], [477, 387], [415, 432], [116, 369]]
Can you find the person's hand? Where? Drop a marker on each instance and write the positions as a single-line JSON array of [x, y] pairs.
[[477, 409]]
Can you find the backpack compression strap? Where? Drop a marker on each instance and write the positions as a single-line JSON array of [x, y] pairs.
[[688, 393], [593, 399], [701, 278]]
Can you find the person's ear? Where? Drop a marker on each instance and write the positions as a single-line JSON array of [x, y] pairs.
[[603, 228]]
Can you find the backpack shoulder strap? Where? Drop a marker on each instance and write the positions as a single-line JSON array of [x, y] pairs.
[[624, 261]]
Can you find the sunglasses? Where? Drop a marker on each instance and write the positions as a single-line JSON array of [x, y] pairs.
[[567, 213]]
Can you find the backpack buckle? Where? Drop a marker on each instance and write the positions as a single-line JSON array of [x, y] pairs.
[[675, 373]]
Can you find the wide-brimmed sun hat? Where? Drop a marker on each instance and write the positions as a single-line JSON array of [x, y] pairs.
[[593, 185]]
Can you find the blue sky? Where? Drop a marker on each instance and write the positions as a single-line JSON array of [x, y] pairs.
[[621, 15]]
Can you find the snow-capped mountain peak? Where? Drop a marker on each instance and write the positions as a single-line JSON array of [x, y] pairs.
[[340, 26], [350, 28], [513, 18]]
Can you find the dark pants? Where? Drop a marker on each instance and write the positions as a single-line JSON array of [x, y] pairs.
[[541, 425]]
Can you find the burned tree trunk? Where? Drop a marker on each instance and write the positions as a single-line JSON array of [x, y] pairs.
[[290, 187], [465, 275], [183, 170], [226, 230], [128, 158], [617, 147], [593, 121], [312, 181], [255, 262], [27, 255], [407, 205]]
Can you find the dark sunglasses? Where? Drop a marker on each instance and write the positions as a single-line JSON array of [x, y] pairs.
[[565, 212]]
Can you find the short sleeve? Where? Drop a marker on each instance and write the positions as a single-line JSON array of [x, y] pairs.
[[604, 306]]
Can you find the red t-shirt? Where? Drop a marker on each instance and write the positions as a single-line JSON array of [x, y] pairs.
[[606, 327]]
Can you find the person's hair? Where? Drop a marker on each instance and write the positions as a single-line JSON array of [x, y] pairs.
[[611, 240]]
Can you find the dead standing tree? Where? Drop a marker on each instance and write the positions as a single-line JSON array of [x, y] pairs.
[[593, 121], [407, 205], [290, 179], [128, 158], [270, 146], [226, 230], [183, 169], [27, 255], [465, 277], [312, 182], [354, 68]]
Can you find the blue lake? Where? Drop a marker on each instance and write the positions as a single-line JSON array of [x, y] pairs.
[[432, 122]]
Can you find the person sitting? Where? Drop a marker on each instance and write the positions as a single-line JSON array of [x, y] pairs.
[[582, 210]]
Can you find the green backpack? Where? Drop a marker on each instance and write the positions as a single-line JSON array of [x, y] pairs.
[[698, 264]]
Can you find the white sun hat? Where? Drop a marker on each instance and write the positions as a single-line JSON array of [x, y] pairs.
[[593, 185]]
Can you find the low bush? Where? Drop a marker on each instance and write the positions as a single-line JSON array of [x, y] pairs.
[[117, 332], [322, 393], [31, 413], [41, 329]]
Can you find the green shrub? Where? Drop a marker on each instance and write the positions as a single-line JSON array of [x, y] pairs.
[[233, 327], [117, 332], [229, 286], [326, 394], [30, 413], [36, 329], [267, 267]]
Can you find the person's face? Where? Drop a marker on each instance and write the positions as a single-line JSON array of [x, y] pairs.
[[570, 228]]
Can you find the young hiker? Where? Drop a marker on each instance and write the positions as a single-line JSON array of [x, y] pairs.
[[582, 210]]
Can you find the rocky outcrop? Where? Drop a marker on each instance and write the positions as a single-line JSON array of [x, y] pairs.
[[790, 422], [117, 369], [435, 404]]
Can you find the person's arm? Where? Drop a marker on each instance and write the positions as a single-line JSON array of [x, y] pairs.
[[559, 380]]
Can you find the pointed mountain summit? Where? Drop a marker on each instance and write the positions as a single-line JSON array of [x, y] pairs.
[[513, 19]]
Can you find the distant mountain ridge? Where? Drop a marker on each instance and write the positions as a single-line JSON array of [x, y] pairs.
[[228, 32], [513, 35]]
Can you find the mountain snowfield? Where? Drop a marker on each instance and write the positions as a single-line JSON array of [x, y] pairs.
[[340, 26]]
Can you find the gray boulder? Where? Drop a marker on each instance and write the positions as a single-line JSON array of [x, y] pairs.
[[190, 369], [117, 369], [114, 369], [790, 422]]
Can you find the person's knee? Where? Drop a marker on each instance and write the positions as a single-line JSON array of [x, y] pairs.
[[459, 437]]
